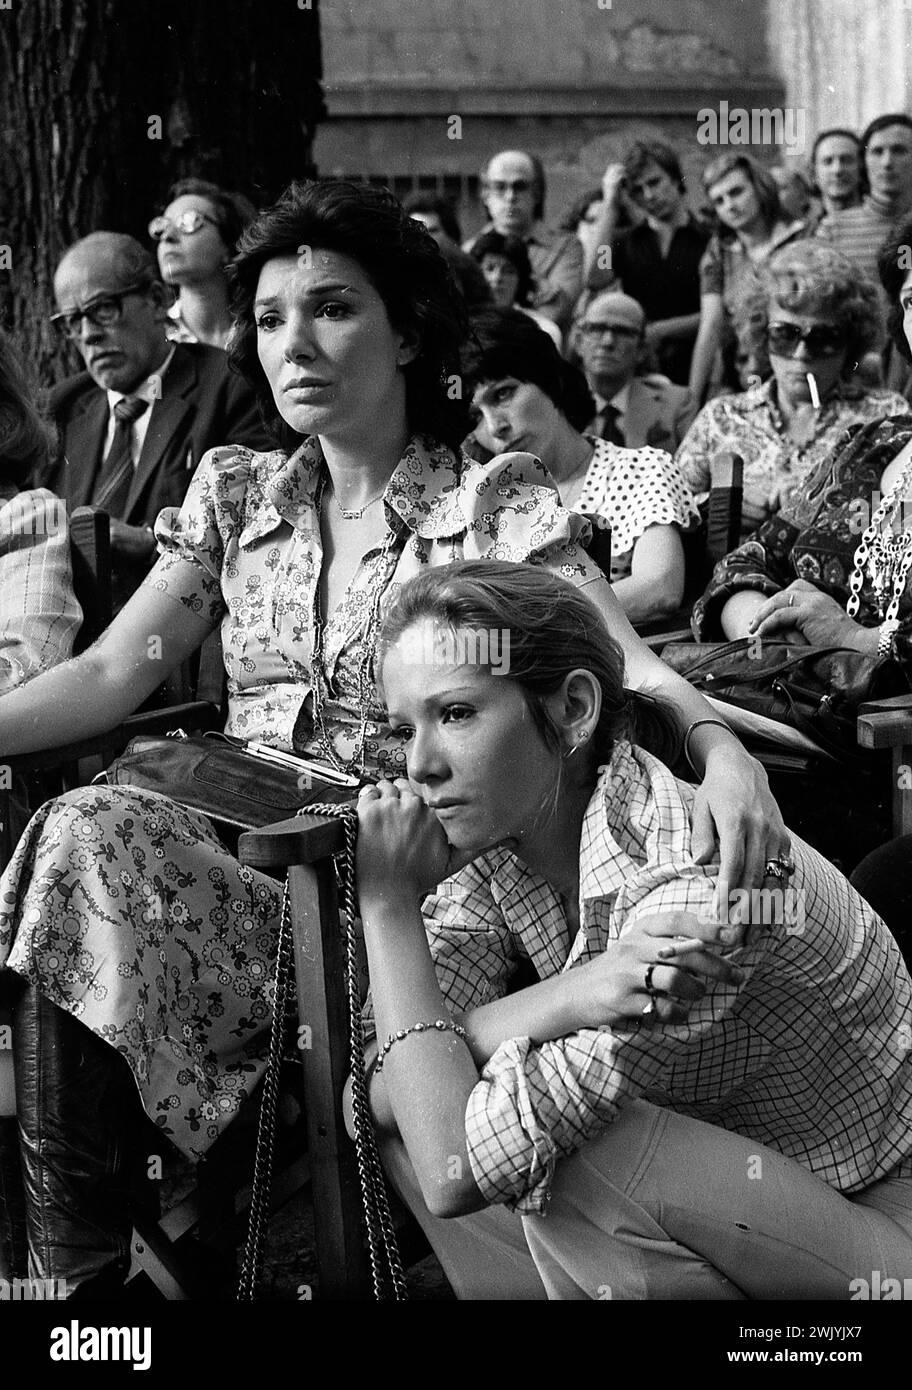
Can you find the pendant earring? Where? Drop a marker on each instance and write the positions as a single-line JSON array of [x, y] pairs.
[[577, 746]]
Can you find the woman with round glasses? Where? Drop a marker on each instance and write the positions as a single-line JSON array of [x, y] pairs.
[[196, 236], [810, 320], [752, 225]]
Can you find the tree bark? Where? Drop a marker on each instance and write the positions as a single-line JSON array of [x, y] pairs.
[[104, 103]]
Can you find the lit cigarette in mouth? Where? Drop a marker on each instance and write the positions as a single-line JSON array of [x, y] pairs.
[[812, 387]]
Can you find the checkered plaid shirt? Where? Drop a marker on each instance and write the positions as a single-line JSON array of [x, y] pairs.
[[810, 1054], [39, 612]]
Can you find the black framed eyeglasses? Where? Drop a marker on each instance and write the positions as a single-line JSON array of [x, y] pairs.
[[102, 311], [783, 339], [618, 330], [185, 222]]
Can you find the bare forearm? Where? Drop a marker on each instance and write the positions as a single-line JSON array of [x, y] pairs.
[[427, 1076], [74, 701], [738, 611]]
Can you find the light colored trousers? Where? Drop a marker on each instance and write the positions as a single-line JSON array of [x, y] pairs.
[[667, 1207]]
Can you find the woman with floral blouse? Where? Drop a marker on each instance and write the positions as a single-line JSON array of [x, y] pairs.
[[147, 949], [812, 314]]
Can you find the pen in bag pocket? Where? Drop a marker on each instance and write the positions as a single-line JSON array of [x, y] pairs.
[[303, 765]]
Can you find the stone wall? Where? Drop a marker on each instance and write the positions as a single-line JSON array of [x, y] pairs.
[[567, 78]]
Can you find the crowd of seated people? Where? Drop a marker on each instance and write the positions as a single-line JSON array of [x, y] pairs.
[[328, 450]]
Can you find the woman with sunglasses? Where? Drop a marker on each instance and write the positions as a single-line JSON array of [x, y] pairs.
[[834, 567], [810, 320], [196, 236], [653, 1118]]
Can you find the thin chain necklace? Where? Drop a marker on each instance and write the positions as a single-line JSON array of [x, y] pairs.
[[357, 514], [366, 681], [883, 556]]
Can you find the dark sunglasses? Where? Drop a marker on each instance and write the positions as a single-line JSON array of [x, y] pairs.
[[783, 339], [185, 222], [100, 312]]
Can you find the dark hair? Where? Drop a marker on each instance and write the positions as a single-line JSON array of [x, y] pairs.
[[579, 207], [513, 250], [442, 207], [507, 342], [552, 629], [764, 184], [538, 178], [880, 123], [894, 263], [644, 152], [25, 438], [831, 131], [846, 135], [233, 211], [405, 266], [807, 276]]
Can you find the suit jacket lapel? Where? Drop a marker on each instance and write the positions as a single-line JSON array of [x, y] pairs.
[[84, 440], [164, 423]]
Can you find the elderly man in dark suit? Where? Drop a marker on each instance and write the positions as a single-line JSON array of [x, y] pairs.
[[134, 425], [632, 410]]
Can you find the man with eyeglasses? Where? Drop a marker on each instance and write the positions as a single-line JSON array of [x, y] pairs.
[[632, 410], [513, 190], [133, 426]]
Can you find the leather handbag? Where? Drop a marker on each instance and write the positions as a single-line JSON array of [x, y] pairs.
[[224, 779], [816, 690]]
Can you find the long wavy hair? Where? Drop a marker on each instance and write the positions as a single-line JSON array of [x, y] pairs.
[[26, 438], [551, 629], [764, 185], [402, 262]]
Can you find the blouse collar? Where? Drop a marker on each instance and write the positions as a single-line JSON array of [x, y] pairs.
[[424, 490]]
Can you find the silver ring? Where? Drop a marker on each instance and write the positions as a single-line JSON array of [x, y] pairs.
[[650, 1008], [773, 869], [791, 600], [786, 863], [648, 976]]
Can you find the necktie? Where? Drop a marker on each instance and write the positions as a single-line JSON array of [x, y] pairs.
[[116, 472], [609, 428]]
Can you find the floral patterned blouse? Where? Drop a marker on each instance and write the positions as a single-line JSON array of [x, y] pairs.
[[751, 424], [245, 551], [815, 537], [628, 490]]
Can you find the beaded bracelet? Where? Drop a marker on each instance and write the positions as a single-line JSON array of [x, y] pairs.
[[443, 1025], [695, 725], [885, 639]]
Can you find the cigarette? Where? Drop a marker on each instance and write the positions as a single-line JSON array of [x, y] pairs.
[[812, 387]]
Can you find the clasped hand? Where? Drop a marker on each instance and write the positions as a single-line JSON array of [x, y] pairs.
[[402, 848]]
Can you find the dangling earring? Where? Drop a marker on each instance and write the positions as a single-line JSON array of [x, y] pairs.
[[577, 746]]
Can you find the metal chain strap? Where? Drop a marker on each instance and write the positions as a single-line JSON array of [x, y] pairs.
[[264, 1156], [385, 1262], [883, 549]]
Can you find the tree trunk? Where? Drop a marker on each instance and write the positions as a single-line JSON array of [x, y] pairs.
[[106, 102]]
